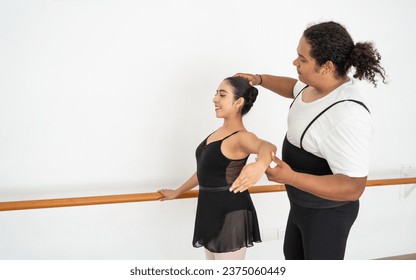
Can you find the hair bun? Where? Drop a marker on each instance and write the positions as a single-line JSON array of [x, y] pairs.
[[252, 95]]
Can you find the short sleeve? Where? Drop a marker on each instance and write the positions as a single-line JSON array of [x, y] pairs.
[[347, 147], [298, 87]]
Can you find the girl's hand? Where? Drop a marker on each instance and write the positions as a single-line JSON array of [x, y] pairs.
[[168, 194], [249, 176]]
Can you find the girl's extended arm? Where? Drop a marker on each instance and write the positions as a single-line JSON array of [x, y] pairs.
[[252, 172]]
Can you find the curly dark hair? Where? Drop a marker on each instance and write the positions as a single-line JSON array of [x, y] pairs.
[[330, 41]]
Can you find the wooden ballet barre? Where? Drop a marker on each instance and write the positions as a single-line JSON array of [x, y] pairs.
[[154, 196]]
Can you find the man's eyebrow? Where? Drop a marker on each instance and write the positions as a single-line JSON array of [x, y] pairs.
[[301, 55]]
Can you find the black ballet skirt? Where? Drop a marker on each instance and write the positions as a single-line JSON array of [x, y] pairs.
[[225, 221]]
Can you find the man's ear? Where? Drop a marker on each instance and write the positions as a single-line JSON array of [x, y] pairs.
[[328, 67]]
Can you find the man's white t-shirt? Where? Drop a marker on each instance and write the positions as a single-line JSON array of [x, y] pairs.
[[342, 135]]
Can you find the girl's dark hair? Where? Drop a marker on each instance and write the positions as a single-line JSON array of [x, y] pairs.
[[330, 41], [242, 88]]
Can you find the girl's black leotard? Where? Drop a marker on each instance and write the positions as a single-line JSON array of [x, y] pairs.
[[225, 221]]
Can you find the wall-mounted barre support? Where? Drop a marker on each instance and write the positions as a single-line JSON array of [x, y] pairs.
[[140, 197]]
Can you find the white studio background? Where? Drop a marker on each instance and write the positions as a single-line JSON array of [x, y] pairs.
[[106, 97]]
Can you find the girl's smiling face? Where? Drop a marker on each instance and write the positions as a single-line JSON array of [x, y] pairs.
[[224, 101]]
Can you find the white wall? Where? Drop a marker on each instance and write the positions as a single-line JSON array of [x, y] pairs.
[[107, 97]]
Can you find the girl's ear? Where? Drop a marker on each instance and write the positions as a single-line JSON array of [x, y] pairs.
[[239, 103]]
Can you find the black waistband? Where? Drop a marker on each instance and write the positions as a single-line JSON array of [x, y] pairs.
[[214, 189]]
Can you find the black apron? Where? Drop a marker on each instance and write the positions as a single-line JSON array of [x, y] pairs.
[[303, 161]]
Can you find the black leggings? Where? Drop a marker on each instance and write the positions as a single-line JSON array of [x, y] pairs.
[[318, 234]]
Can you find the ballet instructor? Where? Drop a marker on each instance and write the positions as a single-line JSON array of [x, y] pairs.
[[325, 154]]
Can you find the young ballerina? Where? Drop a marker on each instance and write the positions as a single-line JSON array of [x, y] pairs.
[[226, 222]]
